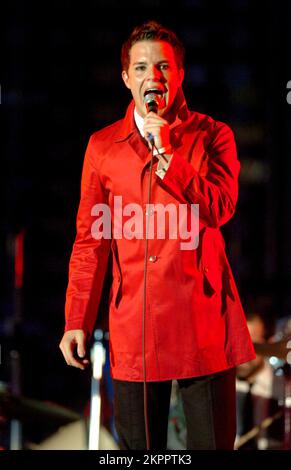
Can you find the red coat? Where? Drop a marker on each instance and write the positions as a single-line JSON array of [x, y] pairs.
[[195, 324]]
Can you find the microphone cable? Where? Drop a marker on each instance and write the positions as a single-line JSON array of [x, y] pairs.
[[152, 102], [145, 401]]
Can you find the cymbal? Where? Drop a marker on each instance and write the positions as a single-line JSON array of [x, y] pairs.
[[73, 436], [22, 408]]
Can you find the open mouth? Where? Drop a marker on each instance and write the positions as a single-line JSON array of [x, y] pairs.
[[155, 91]]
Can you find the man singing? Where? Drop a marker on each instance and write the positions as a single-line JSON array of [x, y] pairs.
[[173, 313]]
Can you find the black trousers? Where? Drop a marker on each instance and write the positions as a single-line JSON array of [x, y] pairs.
[[209, 405]]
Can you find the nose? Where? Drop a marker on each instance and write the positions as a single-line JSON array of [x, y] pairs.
[[154, 73]]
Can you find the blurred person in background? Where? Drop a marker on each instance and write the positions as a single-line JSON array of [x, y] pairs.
[[258, 389]]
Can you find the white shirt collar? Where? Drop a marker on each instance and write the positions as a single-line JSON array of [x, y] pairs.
[[139, 122]]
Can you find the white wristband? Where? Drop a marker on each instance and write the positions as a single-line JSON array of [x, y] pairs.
[[163, 150]]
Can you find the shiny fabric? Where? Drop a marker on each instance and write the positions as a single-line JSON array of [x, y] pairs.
[[195, 324]]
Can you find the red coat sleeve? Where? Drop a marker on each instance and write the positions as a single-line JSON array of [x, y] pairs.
[[89, 256], [216, 192]]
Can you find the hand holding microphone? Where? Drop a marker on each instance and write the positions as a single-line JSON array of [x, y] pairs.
[[156, 129]]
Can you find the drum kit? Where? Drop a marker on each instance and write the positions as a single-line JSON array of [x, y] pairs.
[[72, 427], [74, 430], [279, 358]]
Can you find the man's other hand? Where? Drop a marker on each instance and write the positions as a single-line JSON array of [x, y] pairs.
[[73, 347]]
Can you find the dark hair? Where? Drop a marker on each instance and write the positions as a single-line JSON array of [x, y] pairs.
[[152, 31]]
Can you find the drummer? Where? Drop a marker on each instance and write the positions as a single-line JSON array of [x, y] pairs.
[[256, 398]]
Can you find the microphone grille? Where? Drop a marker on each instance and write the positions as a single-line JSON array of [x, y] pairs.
[[152, 101]]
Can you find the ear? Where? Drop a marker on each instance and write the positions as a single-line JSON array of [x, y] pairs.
[[181, 76], [125, 78]]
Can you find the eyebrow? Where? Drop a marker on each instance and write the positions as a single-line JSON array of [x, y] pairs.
[[165, 61]]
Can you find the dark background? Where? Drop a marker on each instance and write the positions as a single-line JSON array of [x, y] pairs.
[[61, 81]]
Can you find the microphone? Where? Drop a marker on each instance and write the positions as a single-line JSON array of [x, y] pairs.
[[152, 102]]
